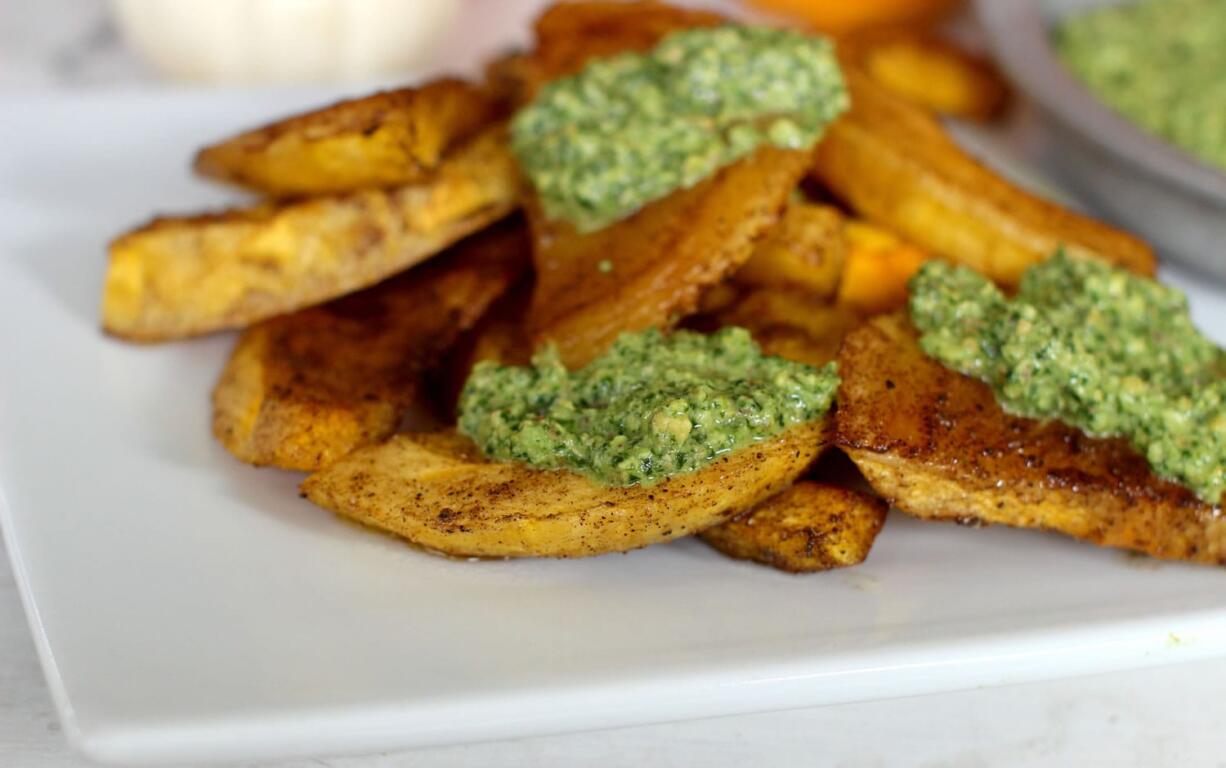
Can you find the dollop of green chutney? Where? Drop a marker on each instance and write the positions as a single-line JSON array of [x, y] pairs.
[[630, 129], [1160, 63], [1093, 346], [650, 407]]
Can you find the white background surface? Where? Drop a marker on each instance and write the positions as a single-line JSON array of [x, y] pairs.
[[1169, 716]]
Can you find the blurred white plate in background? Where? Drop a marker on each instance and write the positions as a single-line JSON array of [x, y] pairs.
[[258, 41]]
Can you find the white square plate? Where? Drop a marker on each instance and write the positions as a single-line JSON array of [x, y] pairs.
[[189, 607]]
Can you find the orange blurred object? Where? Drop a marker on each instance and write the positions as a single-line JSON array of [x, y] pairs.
[[876, 269], [842, 16]]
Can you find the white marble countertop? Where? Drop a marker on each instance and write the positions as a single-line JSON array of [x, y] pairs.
[[1156, 717]]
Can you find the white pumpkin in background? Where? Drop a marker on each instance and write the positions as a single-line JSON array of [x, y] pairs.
[[253, 41]]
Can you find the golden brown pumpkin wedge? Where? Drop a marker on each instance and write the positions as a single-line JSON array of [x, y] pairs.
[[437, 492], [895, 165], [652, 268], [569, 34], [382, 140], [499, 337], [804, 252], [182, 276], [928, 70], [809, 527], [304, 389], [791, 324], [509, 77], [937, 445]]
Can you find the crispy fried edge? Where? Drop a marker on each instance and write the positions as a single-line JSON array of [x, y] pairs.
[[810, 527], [385, 139], [479, 512]]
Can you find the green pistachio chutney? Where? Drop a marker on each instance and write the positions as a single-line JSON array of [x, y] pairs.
[[1161, 64], [1091, 345], [630, 129], [650, 407]]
